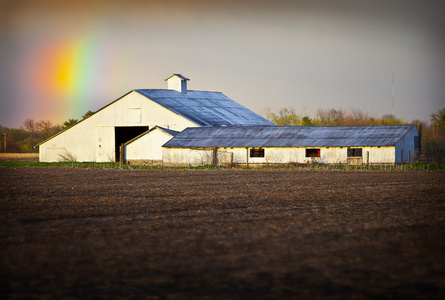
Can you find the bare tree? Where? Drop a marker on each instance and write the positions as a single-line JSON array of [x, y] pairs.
[[357, 117], [287, 116], [29, 125], [267, 112], [330, 117], [438, 117], [45, 128]]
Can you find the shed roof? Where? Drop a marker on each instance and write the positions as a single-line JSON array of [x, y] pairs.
[[296, 136], [205, 108], [168, 131], [178, 75]]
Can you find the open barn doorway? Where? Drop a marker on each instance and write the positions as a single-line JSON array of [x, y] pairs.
[[124, 134]]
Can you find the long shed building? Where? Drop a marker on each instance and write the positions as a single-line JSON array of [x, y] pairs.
[[274, 145]]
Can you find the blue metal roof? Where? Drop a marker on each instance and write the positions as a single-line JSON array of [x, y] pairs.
[[205, 108], [168, 131], [296, 136]]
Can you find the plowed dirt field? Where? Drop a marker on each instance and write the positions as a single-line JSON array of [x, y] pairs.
[[73, 233]]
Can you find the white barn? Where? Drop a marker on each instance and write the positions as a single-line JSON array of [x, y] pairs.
[[373, 145], [152, 115]]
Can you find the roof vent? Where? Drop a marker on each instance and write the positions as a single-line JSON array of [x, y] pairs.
[[178, 83]]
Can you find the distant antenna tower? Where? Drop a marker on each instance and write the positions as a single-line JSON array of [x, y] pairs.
[[393, 93]]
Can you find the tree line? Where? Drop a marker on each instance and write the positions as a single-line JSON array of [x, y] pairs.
[[288, 116], [432, 133], [31, 132]]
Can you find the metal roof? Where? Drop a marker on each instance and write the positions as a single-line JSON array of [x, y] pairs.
[[296, 136], [205, 108], [168, 131], [178, 75]]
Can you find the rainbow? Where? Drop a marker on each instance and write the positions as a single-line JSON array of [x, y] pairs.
[[68, 76]]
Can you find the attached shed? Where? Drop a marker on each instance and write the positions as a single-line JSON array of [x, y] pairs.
[[98, 137], [299, 144], [147, 147]]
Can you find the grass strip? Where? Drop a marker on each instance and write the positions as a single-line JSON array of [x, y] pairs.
[[113, 165]]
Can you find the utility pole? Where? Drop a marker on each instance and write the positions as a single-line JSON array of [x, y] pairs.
[[3, 144]]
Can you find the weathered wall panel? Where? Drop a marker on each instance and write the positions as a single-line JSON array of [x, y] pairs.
[[328, 155], [405, 148], [147, 147]]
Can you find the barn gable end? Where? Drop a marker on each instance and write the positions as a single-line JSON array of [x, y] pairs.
[[98, 137]]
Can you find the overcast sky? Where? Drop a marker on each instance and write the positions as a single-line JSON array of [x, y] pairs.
[[60, 59]]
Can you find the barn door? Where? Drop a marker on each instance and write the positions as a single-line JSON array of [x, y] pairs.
[[125, 134], [101, 144]]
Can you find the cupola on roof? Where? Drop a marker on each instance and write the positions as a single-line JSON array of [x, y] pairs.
[[178, 83]]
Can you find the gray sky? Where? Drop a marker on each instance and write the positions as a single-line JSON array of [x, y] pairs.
[[60, 59]]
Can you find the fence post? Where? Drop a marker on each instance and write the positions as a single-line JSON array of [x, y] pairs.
[[367, 157], [215, 156], [121, 154]]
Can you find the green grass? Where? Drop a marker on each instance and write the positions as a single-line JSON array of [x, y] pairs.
[[398, 167], [107, 165], [113, 165]]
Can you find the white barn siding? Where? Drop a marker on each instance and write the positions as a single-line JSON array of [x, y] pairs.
[[93, 139], [371, 155], [185, 156], [147, 147], [104, 143], [328, 155], [124, 112], [379, 155], [76, 143]]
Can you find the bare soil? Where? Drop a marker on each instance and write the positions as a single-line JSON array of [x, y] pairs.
[[73, 233]]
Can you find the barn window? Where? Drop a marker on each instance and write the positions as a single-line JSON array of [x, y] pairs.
[[312, 152], [134, 115], [354, 152], [256, 152]]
